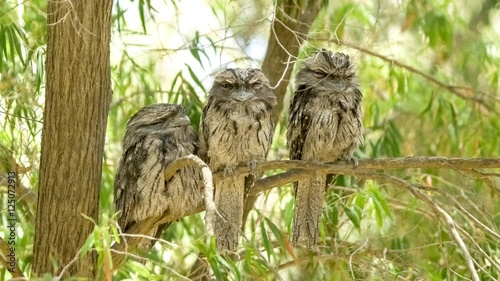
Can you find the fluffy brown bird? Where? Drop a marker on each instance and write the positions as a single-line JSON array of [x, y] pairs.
[[155, 136], [236, 128], [325, 124]]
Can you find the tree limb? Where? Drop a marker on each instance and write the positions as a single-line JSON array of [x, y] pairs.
[[208, 191], [346, 167], [302, 170]]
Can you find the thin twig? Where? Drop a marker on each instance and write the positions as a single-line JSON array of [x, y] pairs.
[[479, 249], [452, 226], [486, 177]]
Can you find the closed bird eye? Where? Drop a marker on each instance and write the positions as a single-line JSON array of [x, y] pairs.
[[227, 86], [318, 73], [256, 84]]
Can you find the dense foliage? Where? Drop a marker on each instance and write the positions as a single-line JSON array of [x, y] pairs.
[[429, 71]]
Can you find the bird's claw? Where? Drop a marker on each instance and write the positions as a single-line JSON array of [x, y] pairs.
[[230, 171], [355, 161], [252, 166]]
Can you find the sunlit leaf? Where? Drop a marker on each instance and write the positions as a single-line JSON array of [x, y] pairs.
[[89, 243], [265, 241], [353, 217], [276, 232]]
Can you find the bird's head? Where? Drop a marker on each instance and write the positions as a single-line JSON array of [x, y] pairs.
[[155, 119], [242, 85], [326, 69]]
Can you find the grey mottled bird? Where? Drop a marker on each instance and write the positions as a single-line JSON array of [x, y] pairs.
[[155, 136], [236, 128], [325, 124]]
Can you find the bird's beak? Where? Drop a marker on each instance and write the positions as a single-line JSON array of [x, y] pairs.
[[339, 85], [181, 122], [185, 119], [242, 95]]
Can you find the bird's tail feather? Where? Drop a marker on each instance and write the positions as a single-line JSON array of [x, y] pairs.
[[229, 195], [309, 195]]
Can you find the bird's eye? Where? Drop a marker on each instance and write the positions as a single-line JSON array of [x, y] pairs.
[[318, 73], [227, 86], [256, 84]]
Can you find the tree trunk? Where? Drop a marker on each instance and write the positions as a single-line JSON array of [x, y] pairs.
[[78, 93], [289, 30]]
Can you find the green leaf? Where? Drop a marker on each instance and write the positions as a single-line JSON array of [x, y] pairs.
[[2, 45], [21, 36], [12, 40], [141, 15], [289, 213], [214, 264], [380, 205], [195, 78], [89, 243], [192, 93], [276, 232], [353, 217], [359, 201], [265, 241]]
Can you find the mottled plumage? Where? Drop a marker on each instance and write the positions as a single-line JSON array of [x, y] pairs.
[[325, 125], [156, 135], [236, 128]]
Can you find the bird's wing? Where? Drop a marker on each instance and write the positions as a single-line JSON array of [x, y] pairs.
[[139, 176], [204, 133], [299, 123], [125, 183]]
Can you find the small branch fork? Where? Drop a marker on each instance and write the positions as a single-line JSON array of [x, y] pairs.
[[300, 170]]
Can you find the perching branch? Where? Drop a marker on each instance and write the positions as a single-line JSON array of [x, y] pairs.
[[208, 191], [300, 170], [342, 167]]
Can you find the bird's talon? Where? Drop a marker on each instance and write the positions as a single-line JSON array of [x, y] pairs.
[[230, 171], [355, 161], [252, 166]]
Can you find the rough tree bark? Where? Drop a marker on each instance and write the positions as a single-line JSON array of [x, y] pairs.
[[78, 94], [289, 29]]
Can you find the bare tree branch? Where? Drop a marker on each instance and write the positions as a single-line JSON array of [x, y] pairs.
[[346, 167]]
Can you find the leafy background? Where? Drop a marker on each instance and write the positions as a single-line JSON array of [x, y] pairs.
[[429, 72]]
